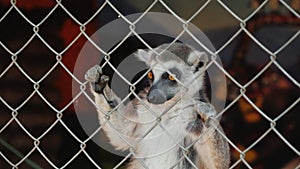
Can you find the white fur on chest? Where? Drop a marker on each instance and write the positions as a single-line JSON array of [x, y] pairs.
[[160, 139]]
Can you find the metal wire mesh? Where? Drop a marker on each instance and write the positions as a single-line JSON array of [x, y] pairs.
[[83, 143]]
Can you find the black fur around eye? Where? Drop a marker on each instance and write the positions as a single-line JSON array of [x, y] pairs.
[[200, 64], [164, 75], [167, 76]]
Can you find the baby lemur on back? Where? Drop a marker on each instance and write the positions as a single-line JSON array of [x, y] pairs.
[[170, 123]]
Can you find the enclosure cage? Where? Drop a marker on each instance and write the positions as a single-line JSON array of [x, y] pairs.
[[257, 42]]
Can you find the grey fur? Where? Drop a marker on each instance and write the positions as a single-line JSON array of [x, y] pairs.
[[209, 151], [178, 49]]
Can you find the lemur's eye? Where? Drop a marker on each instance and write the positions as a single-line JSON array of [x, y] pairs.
[[171, 78], [150, 75]]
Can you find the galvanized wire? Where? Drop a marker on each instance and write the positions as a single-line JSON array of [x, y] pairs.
[[131, 25]]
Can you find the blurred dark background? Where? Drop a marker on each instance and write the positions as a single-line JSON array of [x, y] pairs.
[[272, 91]]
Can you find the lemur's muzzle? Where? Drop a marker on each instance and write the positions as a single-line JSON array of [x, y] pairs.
[[156, 96]]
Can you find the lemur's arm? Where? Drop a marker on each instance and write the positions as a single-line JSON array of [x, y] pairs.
[[107, 100], [211, 146]]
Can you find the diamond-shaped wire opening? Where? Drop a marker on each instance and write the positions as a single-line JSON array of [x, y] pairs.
[[57, 24], [66, 148], [49, 91], [226, 45], [12, 93], [44, 60], [36, 110], [14, 24], [244, 115], [242, 63], [273, 85], [15, 143]]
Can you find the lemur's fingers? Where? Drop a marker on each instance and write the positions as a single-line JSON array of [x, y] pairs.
[[96, 78], [206, 111], [102, 81]]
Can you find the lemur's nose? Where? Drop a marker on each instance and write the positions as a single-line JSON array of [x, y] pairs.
[[156, 96]]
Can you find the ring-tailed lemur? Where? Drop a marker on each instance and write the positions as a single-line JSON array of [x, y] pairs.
[[173, 127]]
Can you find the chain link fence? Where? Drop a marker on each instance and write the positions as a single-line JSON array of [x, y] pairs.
[[54, 117]]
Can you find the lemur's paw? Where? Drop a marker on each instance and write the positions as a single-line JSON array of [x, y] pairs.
[[96, 78], [206, 111]]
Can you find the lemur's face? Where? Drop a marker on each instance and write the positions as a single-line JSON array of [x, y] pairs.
[[170, 75], [165, 83]]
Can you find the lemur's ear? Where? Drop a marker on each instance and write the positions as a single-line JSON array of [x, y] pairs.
[[143, 55], [197, 60]]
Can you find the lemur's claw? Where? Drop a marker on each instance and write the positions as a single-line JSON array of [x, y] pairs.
[[96, 78]]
